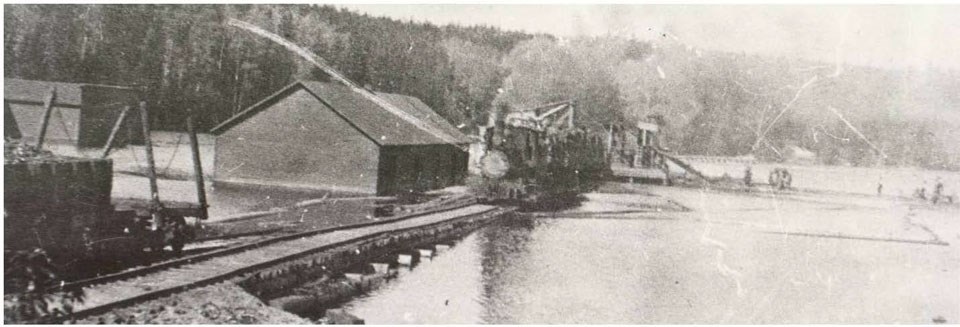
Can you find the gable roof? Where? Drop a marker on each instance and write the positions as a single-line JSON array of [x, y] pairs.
[[376, 122], [420, 110]]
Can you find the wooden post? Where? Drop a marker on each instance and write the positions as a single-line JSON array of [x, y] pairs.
[[47, 109], [610, 139], [197, 167], [113, 133], [148, 146]]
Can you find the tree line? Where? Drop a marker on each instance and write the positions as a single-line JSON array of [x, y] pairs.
[[188, 59], [712, 103]]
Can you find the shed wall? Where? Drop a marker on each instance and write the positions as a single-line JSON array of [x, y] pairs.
[[298, 142], [63, 126], [420, 167], [87, 125], [101, 108]]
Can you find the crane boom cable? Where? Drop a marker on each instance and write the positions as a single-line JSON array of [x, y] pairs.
[[326, 68]]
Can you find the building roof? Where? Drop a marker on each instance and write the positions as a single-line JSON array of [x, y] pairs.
[[21, 90], [648, 126], [383, 126], [31, 91], [798, 153], [420, 110]]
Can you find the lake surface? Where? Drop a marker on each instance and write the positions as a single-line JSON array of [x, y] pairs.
[[665, 270], [735, 259], [230, 200], [557, 271]]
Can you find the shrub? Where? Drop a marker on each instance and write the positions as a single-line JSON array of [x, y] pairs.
[[28, 275]]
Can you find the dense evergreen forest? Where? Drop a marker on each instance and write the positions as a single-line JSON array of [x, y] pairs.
[[713, 103]]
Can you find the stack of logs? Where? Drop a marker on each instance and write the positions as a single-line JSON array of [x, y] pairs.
[[49, 201]]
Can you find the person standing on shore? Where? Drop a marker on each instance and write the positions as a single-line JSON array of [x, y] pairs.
[[937, 191], [921, 193], [880, 186], [747, 177]]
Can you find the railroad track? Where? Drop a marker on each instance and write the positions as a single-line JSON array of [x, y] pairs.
[[104, 293]]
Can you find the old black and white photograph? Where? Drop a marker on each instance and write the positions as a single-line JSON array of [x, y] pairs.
[[469, 163]]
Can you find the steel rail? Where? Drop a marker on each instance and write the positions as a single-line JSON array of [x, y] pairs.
[[154, 294], [244, 247]]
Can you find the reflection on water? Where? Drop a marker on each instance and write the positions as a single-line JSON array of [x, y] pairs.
[[453, 288], [617, 271], [549, 272]]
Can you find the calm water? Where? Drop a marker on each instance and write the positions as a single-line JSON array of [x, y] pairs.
[[551, 272], [621, 271]]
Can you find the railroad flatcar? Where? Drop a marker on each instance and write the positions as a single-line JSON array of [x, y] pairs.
[[63, 206]]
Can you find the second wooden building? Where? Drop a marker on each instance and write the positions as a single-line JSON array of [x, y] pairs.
[[327, 136]]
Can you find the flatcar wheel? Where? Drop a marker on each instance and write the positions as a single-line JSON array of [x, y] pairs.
[[156, 245], [177, 246], [176, 234]]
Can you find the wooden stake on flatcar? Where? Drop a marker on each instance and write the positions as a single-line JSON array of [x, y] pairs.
[[113, 133], [148, 146], [197, 167], [47, 110]]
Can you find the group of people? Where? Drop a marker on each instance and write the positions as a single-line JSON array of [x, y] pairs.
[[936, 197], [779, 178]]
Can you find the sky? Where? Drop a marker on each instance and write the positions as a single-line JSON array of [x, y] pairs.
[[889, 36]]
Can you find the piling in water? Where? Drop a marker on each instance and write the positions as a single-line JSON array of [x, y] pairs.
[[380, 268], [425, 253], [405, 259]]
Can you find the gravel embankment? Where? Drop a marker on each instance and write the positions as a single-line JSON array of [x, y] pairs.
[[224, 303]]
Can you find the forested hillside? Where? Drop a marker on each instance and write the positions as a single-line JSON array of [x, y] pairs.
[[189, 59], [713, 103]]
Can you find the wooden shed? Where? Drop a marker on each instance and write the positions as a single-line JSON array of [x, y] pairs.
[[328, 136], [83, 113]]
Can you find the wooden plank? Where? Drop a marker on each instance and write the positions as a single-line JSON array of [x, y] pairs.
[[113, 132], [47, 110], [197, 168], [151, 165]]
